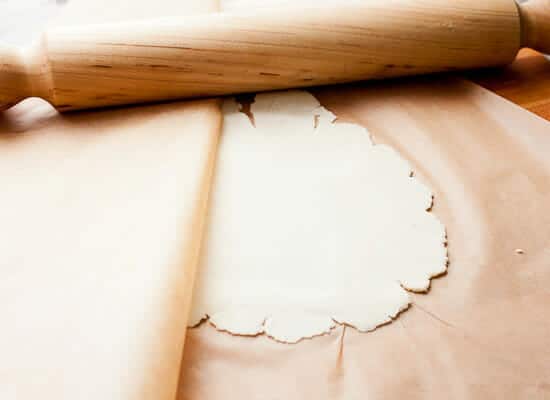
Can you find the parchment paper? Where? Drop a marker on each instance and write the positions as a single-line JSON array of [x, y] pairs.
[[483, 330], [101, 220]]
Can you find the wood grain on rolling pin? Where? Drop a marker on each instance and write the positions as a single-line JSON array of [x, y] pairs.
[[268, 49]]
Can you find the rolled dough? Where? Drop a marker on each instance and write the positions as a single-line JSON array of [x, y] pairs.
[[311, 224]]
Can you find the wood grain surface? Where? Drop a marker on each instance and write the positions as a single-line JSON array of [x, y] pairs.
[[525, 82], [260, 49]]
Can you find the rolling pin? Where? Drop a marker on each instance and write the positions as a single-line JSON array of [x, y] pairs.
[[249, 51]]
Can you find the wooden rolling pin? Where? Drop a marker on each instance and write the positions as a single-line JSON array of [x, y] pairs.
[[112, 64]]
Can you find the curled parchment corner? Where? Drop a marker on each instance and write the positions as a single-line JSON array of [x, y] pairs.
[[311, 225]]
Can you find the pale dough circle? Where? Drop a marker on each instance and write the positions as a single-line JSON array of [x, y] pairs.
[[311, 224]]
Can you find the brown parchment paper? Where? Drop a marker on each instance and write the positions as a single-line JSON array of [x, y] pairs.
[[483, 331]]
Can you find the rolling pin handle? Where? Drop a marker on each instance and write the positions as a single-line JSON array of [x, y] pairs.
[[22, 75], [535, 25], [14, 80]]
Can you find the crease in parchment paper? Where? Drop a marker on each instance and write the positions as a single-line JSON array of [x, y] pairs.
[[311, 225]]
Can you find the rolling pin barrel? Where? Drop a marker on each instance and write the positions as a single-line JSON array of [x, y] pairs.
[[104, 65]]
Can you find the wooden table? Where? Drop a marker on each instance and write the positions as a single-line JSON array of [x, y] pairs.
[[526, 82]]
